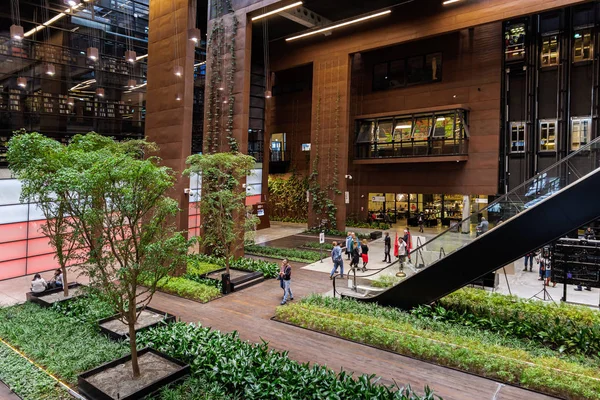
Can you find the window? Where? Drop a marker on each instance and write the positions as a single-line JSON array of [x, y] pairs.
[[380, 76], [517, 137], [549, 55], [514, 42], [397, 77], [421, 129], [403, 129], [366, 131], [548, 135], [433, 63], [582, 46], [415, 70], [580, 132], [384, 131], [444, 126]]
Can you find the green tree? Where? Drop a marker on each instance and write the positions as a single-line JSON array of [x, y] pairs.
[[119, 213], [225, 218], [34, 159]]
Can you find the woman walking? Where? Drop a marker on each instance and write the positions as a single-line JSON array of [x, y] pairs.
[[286, 277], [365, 254]]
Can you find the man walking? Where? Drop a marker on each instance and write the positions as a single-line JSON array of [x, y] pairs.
[[387, 247], [349, 244], [286, 276], [338, 261]]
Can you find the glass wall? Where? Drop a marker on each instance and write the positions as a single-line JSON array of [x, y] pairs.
[[75, 70]]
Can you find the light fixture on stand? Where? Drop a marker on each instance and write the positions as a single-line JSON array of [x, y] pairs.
[[49, 69], [22, 82], [130, 56], [92, 53], [194, 35], [16, 32]]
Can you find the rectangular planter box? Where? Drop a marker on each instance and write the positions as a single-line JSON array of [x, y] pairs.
[[116, 336], [38, 298], [93, 393]]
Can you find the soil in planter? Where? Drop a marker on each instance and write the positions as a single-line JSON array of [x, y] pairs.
[[60, 296], [118, 381], [233, 274], [145, 319]]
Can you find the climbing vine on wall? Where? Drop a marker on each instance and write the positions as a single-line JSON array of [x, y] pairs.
[[287, 198], [222, 76]]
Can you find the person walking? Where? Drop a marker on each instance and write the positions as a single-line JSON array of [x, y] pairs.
[[529, 257], [355, 250], [589, 234], [408, 241], [421, 221], [401, 253], [349, 244], [364, 248], [387, 247], [338, 261], [287, 280]]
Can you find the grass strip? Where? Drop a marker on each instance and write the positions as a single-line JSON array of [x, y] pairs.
[[548, 375], [188, 289], [305, 256]]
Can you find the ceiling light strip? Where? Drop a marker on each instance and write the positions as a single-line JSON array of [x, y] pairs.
[[51, 21], [330, 28], [296, 4], [450, 2], [138, 58]]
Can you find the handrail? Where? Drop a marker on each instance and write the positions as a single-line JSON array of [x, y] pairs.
[[504, 197]]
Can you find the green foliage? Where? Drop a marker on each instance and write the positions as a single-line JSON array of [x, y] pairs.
[[28, 382], [268, 268], [197, 267], [196, 388], [484, 353], [305, 256], [224, 214], [352, 223], [287, 198], [385, 281], [57, 342], [318, 246], [189, 289], [564, 327], [88, 309], [334, 232], [256, 372]]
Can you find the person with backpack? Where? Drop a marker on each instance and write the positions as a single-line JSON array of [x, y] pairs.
[[286, 277], [338, 261]]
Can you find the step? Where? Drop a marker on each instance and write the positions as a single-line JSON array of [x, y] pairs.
[[246, 278], [246, 284]]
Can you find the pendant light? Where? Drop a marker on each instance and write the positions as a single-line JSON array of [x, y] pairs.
[[178, 97], [130, 56], [100, 92], [131, 83], [92, 53], [178, 70], [49, 69], [22, 82], [16, 32], [70, 101], [194, 35]]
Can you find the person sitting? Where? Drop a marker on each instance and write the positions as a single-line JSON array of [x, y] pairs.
[[38, 284], [57, 280]]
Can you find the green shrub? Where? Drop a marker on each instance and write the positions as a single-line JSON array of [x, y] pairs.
[[289, 219], [61, 344], [197, 267], [483, 353], [195, 388], [373, 225], [306, 256], [318, 246], [334, 232], [26, 380], [88, 309], [385, 281], [189, 289], [564, 327], [269, 269], [253, 371]]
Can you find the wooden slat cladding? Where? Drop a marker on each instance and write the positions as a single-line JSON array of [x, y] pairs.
[[471, 75]]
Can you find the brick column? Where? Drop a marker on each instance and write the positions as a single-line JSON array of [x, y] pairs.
[[168, 120]]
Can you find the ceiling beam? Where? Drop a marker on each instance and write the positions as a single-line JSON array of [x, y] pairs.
[[305, 17]]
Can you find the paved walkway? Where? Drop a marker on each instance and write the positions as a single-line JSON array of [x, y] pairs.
[[6, 393]]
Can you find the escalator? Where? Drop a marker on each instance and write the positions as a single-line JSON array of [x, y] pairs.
[[553, 203]]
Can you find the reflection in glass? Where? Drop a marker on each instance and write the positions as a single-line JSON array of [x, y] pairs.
[[549, 54], [582, 46], [548, 135], [580, 132], [517, 137]]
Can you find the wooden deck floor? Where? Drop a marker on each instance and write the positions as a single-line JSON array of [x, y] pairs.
[[250, 310]]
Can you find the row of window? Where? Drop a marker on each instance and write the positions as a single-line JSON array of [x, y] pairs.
[[580, 135], [582, 43], [409, 71], [419, 127]]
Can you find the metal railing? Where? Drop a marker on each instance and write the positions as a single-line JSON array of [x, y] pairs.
[[413, 148]]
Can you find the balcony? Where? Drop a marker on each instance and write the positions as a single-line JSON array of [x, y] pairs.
[[434, 136], [430, 150]]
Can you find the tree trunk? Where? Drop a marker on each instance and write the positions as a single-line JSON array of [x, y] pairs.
[[132, 342], [227, 264], [65, 281]]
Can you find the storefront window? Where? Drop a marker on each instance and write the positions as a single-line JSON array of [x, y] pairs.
[[549, 54], [582, 46], [402, 129], [548, 135], [580, 132], [514, 38], [421, 130], [517, 137], [444, 126]]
